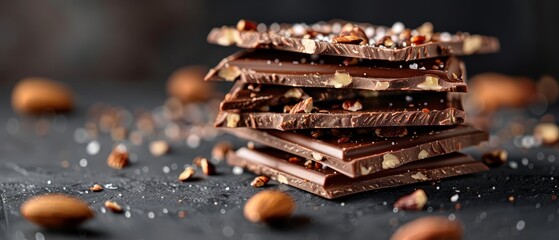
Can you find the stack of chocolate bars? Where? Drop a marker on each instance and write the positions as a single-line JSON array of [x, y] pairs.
[[339, 108]]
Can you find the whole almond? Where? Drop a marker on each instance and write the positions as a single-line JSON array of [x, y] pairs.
[[269, 205], [430, 227], [56, 211], [187, 84], [35, 95]]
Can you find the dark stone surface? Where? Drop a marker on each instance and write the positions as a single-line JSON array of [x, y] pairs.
[[31, 165]]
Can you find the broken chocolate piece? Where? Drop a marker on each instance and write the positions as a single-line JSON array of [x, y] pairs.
[[319, 38], [366, 153], [330, 184], [302, 70]]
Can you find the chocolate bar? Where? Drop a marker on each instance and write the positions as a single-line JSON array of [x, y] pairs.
[[302, 70], [365, 153], [330, 184], [358, 40], [409, 109]]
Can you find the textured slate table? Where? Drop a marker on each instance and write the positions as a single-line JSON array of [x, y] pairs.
[[31, 165]]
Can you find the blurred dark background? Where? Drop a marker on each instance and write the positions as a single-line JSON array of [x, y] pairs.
[[111, 40]]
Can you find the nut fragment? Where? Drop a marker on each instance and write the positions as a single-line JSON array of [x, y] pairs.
[[229, 37], [304, 106], [207, 167], [349, 39], [417, 39], [472, 44], [340, 79], [118, 157], [35, 95], [387, 41], [159, 148], [96, 188], [413, 201], [282, 179], [56, 211], [246, 25], [317, 156], [430, 228], [296, 93], [269, 205], [259, 181], [309, 46], [220, 150], [232, 120], [352, 105], [423, 154], [495, 158], [391, 132], [380, 86], [229, 73], [430, 83], [390, 161], [113, 206], [547, 132], [187, 174]]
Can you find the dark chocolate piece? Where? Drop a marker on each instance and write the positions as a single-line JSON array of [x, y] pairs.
[[330, 184], [302, 70], [257, 97], [410, 109], [365, 153], [378, 42]]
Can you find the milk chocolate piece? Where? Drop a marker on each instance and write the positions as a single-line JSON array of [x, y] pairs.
[[302, 70], [364, 153], [330, 184], [393, 44], [409, 109]]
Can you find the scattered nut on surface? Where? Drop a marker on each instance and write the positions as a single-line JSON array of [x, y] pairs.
[[431, 227], [220, 150], [96, 188], [547, 132], [413, 201], [187, 84], [159, 148], [269, 205], [495, 158], [260, 181], [207, 167], [56, 211], [113, 206], [187, 174], [118, 157], [34, 95]]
